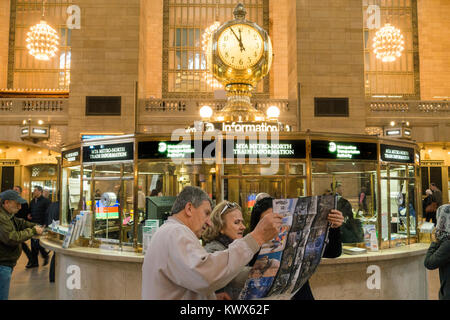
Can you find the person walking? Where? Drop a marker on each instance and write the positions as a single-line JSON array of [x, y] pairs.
[[429, 207], [53, 215], [437, 194], [38, 211], [13, 231], [23, 214], [438, 255]]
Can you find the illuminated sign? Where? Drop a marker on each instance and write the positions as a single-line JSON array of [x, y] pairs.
[[395, 132], [232, 148], [110, 152], [284, 149], [90, 137], [39, 131], [238, 127], [398, 132], [396, 154], [249, 127], [34, 132], [343, 150], [70, 156], [175, 149]]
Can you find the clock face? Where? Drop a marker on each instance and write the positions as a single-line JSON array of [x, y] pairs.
[[240, 46]]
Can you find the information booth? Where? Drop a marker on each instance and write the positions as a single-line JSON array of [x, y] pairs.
[[128, 179], [116, 177]]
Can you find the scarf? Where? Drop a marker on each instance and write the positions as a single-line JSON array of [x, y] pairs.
[[443, 223], [225, 240]]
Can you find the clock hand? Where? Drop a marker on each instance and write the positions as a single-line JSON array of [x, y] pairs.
[[239, 40]]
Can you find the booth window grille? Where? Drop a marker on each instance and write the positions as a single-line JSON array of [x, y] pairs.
[[400, 78], [26, 72], [184, 62]]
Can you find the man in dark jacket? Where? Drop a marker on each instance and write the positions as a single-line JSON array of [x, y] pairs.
[[38, 210], [23, 214], [53, 214], [13, 231], [437, 194]]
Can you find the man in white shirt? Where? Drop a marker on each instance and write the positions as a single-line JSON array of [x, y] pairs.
[[177, 267]]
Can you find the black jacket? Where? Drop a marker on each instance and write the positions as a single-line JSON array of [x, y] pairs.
[[438, 256], [38, 210], [52, 212], [23, 212], [332, 250]]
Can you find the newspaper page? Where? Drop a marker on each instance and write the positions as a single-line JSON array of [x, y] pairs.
[[285, 263]]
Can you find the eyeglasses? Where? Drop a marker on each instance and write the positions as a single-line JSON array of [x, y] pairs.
[[229, 205]]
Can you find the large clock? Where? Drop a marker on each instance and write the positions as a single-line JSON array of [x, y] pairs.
[[240, 46], [239, 55], [239, 51]]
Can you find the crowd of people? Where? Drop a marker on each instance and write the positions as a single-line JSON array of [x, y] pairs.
[[187, 268], [20, 222]]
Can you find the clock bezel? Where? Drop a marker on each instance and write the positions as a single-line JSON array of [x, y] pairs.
[[260, 54], [228, 74]]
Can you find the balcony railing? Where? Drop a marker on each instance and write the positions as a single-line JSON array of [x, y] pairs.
[[39, 106], [414, 106], [179, 106]]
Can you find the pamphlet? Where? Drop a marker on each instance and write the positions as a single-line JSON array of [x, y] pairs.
[[68, 236], [285, 263], [147, 232], [370, 237]]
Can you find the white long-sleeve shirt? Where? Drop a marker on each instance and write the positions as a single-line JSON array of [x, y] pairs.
[[177, 267]]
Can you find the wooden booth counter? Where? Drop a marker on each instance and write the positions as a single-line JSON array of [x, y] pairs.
[[395, 273]]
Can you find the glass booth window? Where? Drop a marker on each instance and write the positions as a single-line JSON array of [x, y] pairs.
[[398, 204], [241, 183], [70, 195], [166, 180], [355, 184], [45, 175], [108, 191]]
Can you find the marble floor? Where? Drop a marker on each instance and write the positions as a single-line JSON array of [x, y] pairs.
[[34, 284], [31, 284]]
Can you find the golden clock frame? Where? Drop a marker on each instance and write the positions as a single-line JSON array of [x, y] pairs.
[[239, 83]]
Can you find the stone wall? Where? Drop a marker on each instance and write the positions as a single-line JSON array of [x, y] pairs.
[[330, 61], [434, 49], [104, 63]]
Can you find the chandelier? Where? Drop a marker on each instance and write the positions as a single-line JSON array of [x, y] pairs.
[[388, 43], [42, 40], [206, 37]]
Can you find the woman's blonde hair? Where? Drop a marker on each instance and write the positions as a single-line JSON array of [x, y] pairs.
[[218, 220]]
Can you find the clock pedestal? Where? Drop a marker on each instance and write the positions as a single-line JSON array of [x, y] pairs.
[[238, 106]]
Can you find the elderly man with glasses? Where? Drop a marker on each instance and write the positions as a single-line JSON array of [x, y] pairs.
[[177, 267]]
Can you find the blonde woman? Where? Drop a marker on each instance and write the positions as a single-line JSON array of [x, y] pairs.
[[227, 225]]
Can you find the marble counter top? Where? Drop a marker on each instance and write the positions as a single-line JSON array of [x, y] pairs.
[[125, 256], [415, 249], [94, 253]]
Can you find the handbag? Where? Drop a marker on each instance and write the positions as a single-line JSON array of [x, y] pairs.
[[432, 207]]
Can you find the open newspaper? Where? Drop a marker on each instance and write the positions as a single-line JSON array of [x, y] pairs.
[[285, 263]]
